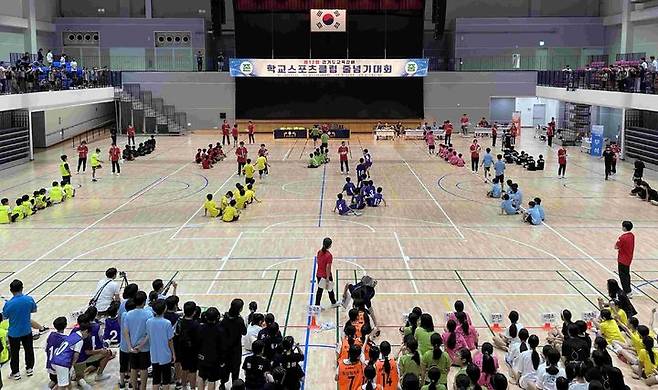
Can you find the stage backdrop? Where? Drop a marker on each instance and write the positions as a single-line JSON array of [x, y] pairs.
[[262, 67], [307, 98]]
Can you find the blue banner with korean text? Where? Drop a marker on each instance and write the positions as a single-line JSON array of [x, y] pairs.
[[596, 148], [270, 67]]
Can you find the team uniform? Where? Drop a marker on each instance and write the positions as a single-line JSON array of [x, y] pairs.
[[389, 381], [62, 359], [56, 194], [211, 208], [487, 162], [261, 164], [250, 130], [54, 341], [248, 172], [83, 150], [499, 170], [112, 331], [241, 154], [5, 214], [342, 207], [65, 171], [350, 376], [342, 152]]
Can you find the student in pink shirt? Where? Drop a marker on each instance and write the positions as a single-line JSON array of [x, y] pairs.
[[453, 158], [488, 364], [468, 331], [429, 138], [459, 308], [453, 341]]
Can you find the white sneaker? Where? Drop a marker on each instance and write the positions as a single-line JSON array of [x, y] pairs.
[[335, 305], [16, 376], [84, 385], [29, 372], [102, 377]]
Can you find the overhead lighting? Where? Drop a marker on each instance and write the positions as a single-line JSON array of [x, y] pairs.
[[542, 43]]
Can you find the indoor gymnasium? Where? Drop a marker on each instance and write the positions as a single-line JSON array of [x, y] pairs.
[[328, 194]]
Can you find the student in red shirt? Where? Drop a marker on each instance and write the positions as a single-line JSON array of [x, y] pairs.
[[251, 128], [475, 155], [206, 163], [342, 152], [234, 133], [241, 153], [550, 132], [562, 161], [131, 134], [83, 150], [494, 135], [514, 132], [625, 247], [225, 133], [115, 155], [464, 121], [324, 259], [447, 126]]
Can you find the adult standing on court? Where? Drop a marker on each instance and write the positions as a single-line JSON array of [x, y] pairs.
[[18, 311], [550, 132], [225, 133], [464, 122], [241, 153], [608, 157], [83, 150], [447, 127], [475, 155], [342, 152], [625, 247], [562, 162], [251, 128], [130, 131], [115, 155], [323, 275]]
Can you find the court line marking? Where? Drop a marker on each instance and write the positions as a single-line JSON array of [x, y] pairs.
[[461, 235], [302, 218], [324, 178], [405, 258], [390, 294], [224, 261], [311, 294], [289, 150], [200, 208], [101, 219], [269, 267]]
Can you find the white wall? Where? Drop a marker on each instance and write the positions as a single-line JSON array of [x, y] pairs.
[[66, 122], [13, 7], [638, 101], [526, 104], [52, 99]]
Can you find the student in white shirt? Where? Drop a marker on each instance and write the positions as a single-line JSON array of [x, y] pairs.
[[255, 326], [107, 290], [525, 367], [548, 372], [511, 334]]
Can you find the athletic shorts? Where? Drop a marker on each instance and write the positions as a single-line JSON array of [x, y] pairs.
[[140, 361], [52, 377], [63, 375], [162, 374], [124, 361], [488, 169], [210, 373], [432, 147], [188, 360]]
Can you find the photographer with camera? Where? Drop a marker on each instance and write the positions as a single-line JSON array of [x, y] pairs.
[[107, 291]]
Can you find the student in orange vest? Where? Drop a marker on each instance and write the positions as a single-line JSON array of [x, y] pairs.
[[349, 373]]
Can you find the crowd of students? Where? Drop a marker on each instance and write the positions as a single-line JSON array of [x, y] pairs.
[[207, 157], [362, 194], [27, 205]]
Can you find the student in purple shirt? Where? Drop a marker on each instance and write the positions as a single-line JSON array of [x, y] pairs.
[[67, 355], [112, 328], [54, 341], [349, 188], [93, 354], [341, 206]]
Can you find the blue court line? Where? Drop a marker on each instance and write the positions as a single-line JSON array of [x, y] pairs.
[[648, 282], [324, 177], [308, 321], [143, 188]]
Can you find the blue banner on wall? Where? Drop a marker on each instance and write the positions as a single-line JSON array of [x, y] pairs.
[[596, 148], [269, 67]]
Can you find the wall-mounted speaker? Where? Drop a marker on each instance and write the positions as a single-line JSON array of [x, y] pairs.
[[172, 39], [80, 38]]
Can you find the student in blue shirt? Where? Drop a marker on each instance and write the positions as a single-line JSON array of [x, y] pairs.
[[134, 332], [349, 188], [378, 198], [540, 208], [496, 189], [342, 207], [531, 215], [361, 169], [516, 195], [499, 169], [487, 162], [160, 334], [18, 311], [506, 206]]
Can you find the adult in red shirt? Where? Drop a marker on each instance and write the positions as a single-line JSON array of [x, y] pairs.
[[251, 128], [447, 126], [464, 121], [494, 135], [342, 152], [241, 153], [514, 132], [562, 161], [83, 150], [234, 133], [323, 271], [625, 247], [475, 155], [115, 155], [225, 133], [550, 132], [131, 134]]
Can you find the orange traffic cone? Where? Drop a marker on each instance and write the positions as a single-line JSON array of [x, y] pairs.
[[547, 326], [314, 324], [496, 327], [589, 324]]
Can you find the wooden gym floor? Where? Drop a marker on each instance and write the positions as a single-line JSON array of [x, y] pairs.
[[440, 239]]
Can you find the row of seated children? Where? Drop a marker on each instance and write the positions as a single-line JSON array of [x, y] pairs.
[[512, 201], [450, 155], [525, 160], [365, 194], [27, 205], [317, 158], [644, 192], [231, 204], [211, 155], [147, 147]]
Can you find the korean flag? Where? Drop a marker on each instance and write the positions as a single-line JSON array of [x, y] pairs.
[[328, 20]]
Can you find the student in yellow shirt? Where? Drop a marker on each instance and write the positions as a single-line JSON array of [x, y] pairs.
[[261, 166], [251, 194], [28, 207], [241, 200], [56, 193], [248, 172], [210, 207], [649, 361], [226, 200], [5, 211], [43, 199], [609, 328], [39, 202], [95, 163], [231, 214], [64, 169], [17, 212], [68, 189]]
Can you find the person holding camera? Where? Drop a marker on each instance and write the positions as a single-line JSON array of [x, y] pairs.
[[107, 291]]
